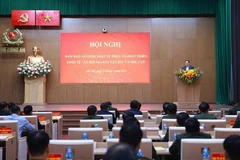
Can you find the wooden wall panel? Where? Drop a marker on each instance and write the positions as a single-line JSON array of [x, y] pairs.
[[172, 41]]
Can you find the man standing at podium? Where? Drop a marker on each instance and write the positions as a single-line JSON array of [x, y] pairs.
[[187, 66]]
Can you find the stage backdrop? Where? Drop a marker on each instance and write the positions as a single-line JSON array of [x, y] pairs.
[[172, 41], [104, 58]]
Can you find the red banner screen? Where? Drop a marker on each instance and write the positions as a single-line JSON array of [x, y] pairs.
[[105, 58]]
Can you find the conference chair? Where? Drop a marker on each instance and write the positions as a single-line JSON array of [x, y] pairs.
[[116, 131], [145, 114], [82, 149], [225, 132], [95, 134], [90, 123], [179, 130], [107, 116], [139, 117], [32, 120], [230, 120], [146, 146], [192, 148], [159, 118], [48, 115], [169, 122], [119, 123], [112, 111], [181, 112], [210, 124], [218, 114]]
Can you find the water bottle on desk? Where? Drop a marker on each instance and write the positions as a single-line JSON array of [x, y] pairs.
[[205, 153], [109, 120], [84, 136], [96, 125], [69, 153], [164, 128], [223, 113], [140, 153], [174, 136], [204, 127], [111, 135]]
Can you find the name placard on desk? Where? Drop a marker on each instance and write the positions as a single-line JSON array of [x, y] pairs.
[[6, 132], [218, 156], [55, 156]]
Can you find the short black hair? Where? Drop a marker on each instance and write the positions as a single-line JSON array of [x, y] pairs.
[[192, 125], [165, 107], [233, 103], [27, 109], [15, 109], [134, 104], [104, 106], [121, 151], [139, 106], [172, 108], [91, 110], [231, 145], [3, 105], [127, 114], [10, 105], [204, 107], [109, 103], [37, 142], [181, 118], [131, 134]]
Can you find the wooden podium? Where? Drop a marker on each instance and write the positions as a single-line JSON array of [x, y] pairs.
[[35, 90], [188, 94]]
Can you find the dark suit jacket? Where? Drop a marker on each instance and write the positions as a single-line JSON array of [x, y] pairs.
[[176, 146], [184, 67], [169, 116], [134, 111], [234, 110], [107, 112], [4, 112], [205, 116], [237, 122], [110, 126], [116, 111]]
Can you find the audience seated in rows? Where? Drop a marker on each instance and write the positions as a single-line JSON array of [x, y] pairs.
[[192, 131], [165, 108], [38, 145], [235, 108], [4, 109], [134, 105], [121, 151], [181, 118], [92, 111], [27, 110], [204, 107], [231, 146], [104, 110], [23, 124], [172, 110], [128, 120], [111, 108]]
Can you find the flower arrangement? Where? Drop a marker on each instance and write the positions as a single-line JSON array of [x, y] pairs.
[[34, 69], [189, 76]]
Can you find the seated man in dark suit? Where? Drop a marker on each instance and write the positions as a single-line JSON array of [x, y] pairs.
[[110, 108], [235, 108], [192, 131], [92, 111], [134, 105], [104, 110], [4, 109], [172, 110], [181, 118], [204, 107], [27, 110], [187, 66], [231, 146]]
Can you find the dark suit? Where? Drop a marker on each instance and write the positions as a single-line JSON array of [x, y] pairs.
[[169, 116], [237, 122], [176, 146], [4, 112], [205, 116], [107, 112], [134, 111], [234, 110], [110, 126], [185, 67], [116, 111]]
